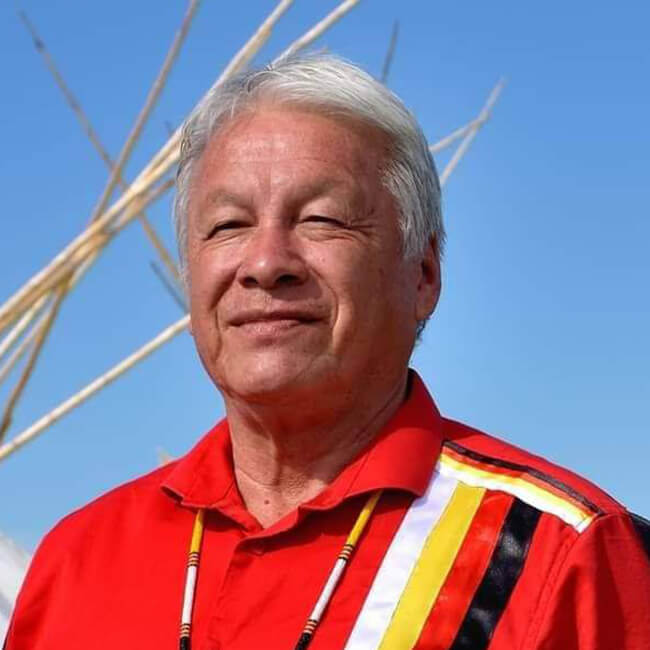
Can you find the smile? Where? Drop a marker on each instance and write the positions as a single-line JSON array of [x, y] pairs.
[[274, 324], [284, 318]]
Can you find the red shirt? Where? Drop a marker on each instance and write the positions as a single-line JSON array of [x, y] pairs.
[[527, 555]]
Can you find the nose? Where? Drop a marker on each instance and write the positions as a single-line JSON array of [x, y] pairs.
[[271, 259]]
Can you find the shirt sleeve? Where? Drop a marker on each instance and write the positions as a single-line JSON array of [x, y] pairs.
[[22, 630], [601, 596], [38, 595]]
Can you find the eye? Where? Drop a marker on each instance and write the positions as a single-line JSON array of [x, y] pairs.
[[321, 218], [223, 226]]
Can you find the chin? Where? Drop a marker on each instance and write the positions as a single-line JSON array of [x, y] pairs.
[[272, 378]]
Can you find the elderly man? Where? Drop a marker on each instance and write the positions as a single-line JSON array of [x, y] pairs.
[[333, 507]]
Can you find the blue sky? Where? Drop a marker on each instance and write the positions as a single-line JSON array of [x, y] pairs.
[[541, 336]]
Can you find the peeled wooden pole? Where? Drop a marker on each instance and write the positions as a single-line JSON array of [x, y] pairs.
[[88, 129], [170, 288], [168, 154], [44, 328], [43, 331], [46, 278], [317, 30], [388, 60], [57, 413], [16, 331], [150, 102], [471, 134], [448, 140], [254, 43], [19, 350], [85, 255], [39, 341]]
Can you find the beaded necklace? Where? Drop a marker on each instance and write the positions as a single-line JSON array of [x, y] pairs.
[[325, 595]]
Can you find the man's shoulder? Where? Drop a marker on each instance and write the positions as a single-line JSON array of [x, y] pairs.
[[126, 530], [105, 512], [147, 502], [501, 465]]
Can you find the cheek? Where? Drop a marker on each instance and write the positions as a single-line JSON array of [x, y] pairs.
[[356, 284], [209, 275], [386, 296]]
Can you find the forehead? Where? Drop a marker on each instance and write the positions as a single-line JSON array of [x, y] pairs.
[[302, 142]]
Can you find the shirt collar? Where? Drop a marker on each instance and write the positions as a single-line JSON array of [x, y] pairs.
[[402, 456]]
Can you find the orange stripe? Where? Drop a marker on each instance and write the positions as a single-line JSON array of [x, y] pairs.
[[472, 560], [529, 478]]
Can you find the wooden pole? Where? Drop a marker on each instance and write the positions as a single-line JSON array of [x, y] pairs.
[[57, 413], [150, 102], [41, 336], [168, 154], [21, 325], [317, 30], [448, 140], [390, 53], [19, 350], [50, 276], [254, 43], [169, 287], [471, 133], [60, 293], [88, 129]]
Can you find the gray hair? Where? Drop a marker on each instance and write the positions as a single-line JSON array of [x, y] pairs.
[[332, 86]]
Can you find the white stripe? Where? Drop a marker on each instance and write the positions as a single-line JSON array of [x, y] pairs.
[[578, 520], [188, 596], [396, 567], [328, 589]]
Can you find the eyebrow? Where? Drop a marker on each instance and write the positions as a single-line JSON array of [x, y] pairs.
[[219, 196], [316, 188], [350, 193]]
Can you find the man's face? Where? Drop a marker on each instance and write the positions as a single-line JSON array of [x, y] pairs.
[[298, 286]]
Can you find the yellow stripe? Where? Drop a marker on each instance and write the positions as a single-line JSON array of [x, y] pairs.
[[364, 515], [197, 532], [432, 568], [574, 513]]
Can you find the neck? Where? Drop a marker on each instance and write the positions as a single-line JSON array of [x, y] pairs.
[[286, 454]]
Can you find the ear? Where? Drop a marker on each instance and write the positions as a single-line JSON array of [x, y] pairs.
[[428, 290]]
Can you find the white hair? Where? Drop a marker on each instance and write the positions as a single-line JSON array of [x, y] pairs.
[[332, 86]]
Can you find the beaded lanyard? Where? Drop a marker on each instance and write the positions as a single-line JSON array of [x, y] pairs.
[[190, 580], [323, 599]]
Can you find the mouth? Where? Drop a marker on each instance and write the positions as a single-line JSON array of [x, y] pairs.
[[273, 319]]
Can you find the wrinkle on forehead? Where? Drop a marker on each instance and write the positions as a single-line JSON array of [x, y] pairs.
[[375, 144], [341, 157], [307, 190]]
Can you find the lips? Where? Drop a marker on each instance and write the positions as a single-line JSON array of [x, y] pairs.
[[279, 315]]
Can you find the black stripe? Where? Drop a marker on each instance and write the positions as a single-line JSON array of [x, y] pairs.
[[303, 641], [505, 464], [185, 643], [506, 565], [643, 530]]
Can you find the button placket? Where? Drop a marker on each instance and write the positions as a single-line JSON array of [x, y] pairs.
[[240, 559]]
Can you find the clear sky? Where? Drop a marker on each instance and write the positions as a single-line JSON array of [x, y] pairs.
[[541, 336]]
